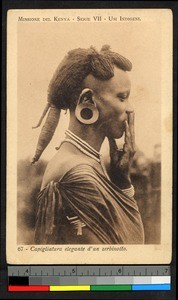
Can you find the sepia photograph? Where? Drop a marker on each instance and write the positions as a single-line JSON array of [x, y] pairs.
[[89, 136]]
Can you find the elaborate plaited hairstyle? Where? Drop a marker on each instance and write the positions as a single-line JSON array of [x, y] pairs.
[[67, 84]]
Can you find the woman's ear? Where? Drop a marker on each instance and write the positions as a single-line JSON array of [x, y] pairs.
[[86, 110], [86, 96]]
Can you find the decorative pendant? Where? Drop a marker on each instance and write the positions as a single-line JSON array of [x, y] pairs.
[[78, 224]]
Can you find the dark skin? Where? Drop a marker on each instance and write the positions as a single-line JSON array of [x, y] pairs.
[[121, 160]]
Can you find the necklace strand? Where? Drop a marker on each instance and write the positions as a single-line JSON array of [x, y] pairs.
[[88, 154], [77, 139], [85, 148], [81, 149]]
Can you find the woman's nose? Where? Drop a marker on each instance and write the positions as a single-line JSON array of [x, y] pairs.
[[129, 108]]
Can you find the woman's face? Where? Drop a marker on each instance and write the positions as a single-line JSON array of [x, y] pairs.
[[112, 100]]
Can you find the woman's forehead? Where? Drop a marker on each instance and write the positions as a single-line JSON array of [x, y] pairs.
[[119, 83]]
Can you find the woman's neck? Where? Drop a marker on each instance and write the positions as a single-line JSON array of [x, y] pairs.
[[87, 133]]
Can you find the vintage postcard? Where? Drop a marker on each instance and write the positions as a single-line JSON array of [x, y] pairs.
[[89, 136]]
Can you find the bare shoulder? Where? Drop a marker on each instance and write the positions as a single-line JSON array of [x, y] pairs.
[[59, 165]]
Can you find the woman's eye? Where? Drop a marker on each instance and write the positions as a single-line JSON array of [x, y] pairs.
[[122, 99]]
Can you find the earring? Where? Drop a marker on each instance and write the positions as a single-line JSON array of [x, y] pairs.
[[86, 112]]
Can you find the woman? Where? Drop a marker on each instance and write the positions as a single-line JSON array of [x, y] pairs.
[[79, 203]]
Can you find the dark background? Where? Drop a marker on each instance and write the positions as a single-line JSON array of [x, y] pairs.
[[29, 4]]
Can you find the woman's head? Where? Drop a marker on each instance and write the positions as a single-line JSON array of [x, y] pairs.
[[112, 100], [105, 74], [68, 80]]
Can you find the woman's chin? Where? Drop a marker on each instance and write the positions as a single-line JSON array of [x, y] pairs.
[[119, 135], [116, 135]]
